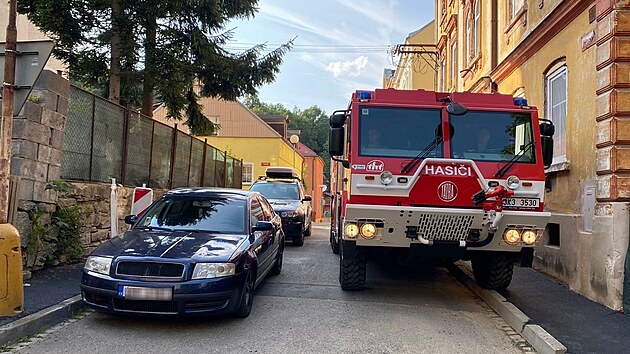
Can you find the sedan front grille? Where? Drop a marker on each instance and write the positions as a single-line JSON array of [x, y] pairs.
[[145, 306], [151, 269]]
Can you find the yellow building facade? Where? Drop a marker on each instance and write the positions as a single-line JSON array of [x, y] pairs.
[[245, 136], [415, 70], [567, 59]]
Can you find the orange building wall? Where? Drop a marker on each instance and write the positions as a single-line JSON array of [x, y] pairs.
[[314, 179]]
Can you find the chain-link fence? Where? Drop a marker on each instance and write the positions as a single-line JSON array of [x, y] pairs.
[[104, 141]]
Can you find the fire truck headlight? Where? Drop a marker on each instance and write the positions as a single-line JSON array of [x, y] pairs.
[[368, 230], [386, 177], [512, 236], [352, 230], [513, 182], [529, 237]]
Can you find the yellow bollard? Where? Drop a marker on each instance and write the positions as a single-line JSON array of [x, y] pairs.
[[11, 287]]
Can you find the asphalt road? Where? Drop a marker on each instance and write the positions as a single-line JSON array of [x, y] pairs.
[[303, 310]]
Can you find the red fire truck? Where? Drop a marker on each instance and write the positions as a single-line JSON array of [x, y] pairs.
[[438, 176]]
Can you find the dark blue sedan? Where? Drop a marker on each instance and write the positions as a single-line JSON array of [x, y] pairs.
[[194, 251]]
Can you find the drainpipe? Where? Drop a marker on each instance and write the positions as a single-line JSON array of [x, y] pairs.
[[626, 280]]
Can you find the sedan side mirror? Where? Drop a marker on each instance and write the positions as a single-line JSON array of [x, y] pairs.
[[131, 219], [307, 198], [263, 226]]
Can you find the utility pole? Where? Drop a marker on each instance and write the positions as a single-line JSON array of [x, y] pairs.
[[8, 87]]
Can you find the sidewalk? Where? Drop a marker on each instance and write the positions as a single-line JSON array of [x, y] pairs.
[[582, 325], [49, 287]]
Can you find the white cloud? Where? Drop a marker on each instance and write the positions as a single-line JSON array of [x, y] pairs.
[[348, 68]]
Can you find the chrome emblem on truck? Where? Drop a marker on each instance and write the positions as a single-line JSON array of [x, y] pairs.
[[447, 191]]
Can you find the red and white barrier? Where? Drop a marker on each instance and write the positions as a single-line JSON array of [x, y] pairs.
[[142, 199]]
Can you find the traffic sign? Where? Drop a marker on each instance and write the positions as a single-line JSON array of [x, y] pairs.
[[29, 62]]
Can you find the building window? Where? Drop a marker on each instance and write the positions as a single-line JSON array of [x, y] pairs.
[[248, 172], [454, 66], [556, 111], [476, 28], [515, 7]]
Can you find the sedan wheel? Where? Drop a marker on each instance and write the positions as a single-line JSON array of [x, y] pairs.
[[247, 297], [277, 267]]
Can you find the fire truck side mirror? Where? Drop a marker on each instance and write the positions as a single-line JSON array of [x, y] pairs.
[[336, 141], [337, 120], [547, 128], [546, 143]]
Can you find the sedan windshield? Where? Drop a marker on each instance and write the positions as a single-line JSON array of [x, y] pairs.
[[220, 215], [397, 132], [492, 136], [282, 191]]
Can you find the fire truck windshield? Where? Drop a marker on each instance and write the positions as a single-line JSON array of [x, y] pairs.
[[397, 132], [492, 136]]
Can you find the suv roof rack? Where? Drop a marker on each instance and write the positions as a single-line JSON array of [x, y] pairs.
[[281, 173]]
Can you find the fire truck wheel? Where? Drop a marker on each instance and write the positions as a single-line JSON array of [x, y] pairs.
[[493, 272], [298, 239], [334, 244], [352, 271]]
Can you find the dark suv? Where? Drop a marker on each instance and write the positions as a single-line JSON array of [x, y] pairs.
[[282, 187]]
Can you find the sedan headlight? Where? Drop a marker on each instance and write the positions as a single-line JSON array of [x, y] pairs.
[[213, 270], [97, 264]]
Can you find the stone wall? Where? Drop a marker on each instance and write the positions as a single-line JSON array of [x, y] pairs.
[[94, 201], [38, 133]]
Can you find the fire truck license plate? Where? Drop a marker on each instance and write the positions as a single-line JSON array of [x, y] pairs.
[[521, 203]]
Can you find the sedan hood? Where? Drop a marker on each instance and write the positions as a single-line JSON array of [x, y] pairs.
[[198, 246]]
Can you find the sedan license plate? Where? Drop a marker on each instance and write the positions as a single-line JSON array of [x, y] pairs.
[[521, 203], [142, 293]]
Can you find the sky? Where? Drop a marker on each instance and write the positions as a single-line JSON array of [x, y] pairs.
[[340, 45]]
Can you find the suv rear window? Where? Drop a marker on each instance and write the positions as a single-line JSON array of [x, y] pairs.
[[282, 191]]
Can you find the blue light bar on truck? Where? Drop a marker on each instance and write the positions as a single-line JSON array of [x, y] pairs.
[[520, 101], [364, 95]]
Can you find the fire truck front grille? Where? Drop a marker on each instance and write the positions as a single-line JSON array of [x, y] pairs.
[[440, 227]]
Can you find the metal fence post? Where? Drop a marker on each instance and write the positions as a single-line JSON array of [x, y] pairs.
[[225, 171], [92, 136], [151, 153], [123, 172], [203, 164], [173, 153], [189, 162]]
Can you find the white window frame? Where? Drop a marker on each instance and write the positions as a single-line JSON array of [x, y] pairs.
[[514, 10], [252, 173], [468, 40], [560, 136], [453, 50], [476, 27]]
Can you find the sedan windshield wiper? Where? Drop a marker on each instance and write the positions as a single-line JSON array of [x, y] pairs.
[[423, 153], [503, 170]]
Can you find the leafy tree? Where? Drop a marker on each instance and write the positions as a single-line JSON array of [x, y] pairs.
[[312, 122], [170, 50]]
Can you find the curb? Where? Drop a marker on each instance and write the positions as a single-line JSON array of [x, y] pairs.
[[535, 335], [40, 320]]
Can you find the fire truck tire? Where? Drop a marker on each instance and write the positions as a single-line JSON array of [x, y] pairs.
[[352, 271], [493, 272], [298, 239]]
